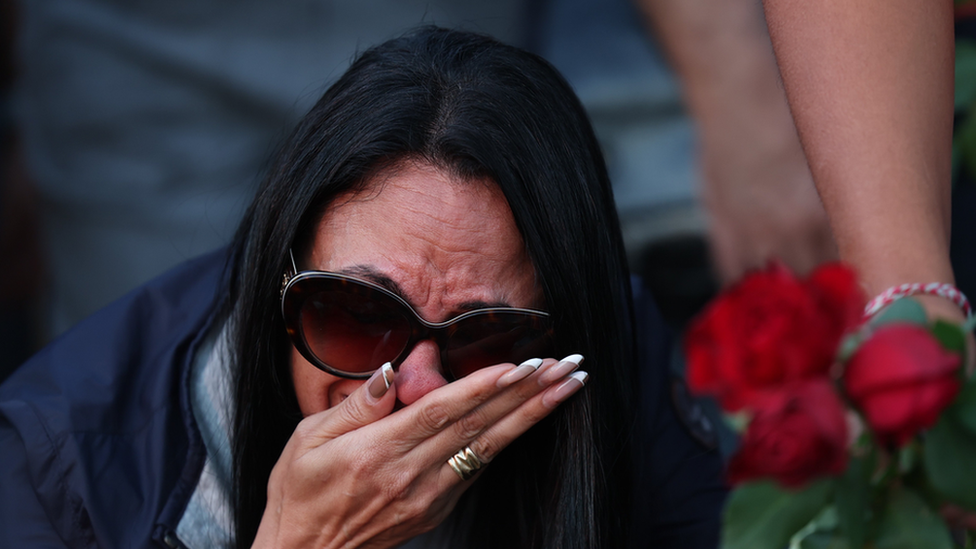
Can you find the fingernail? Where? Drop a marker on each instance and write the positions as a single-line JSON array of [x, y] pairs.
[[573, 383], [563, 368], [380, 382], [520, 372]]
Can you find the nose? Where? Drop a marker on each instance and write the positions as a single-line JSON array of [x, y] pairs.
[[420, 373]]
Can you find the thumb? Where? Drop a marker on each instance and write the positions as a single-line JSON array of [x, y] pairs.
[[369, 402]]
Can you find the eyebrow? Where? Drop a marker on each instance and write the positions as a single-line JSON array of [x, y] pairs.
[[375, 276]]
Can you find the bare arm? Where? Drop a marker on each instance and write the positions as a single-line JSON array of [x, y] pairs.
[[757, 187], [870, 84]]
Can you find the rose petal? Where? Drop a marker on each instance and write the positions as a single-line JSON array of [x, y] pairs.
[[799, 432], [896, 354]]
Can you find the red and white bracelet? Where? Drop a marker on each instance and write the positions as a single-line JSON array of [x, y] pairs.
[[940, 289]]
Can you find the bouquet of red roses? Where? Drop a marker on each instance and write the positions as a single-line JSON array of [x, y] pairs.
[[852, 435]]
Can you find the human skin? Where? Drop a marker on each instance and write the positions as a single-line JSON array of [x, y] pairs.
[[757, 188], [870, 84], [451, 246], [355, 473]]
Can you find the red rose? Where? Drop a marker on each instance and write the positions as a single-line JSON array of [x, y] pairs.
[[770, 329], [901, 378], [798, 433], [838, 295]]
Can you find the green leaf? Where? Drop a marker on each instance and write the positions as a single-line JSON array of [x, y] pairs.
[[852, 494], [964, 141], [969, 325], [965, 74], [908, 523], [964, 138], [738, 421], [761, 515], [950, 455], [849, 346], [963, 409], [950, 335], [826, 540], [824, 523], [903, 310], [907, 458]]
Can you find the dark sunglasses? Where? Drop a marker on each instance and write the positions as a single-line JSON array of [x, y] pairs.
[[350, 327]]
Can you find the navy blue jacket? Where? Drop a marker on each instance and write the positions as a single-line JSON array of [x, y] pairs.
[[99, 447]]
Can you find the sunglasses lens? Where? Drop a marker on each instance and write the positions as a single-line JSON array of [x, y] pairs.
[[351, 332], [349, 327], [493, 338]]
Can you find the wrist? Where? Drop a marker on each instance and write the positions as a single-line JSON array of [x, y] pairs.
[[941, 308], [940, 301]]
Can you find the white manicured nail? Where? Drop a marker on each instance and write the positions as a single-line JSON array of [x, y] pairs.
[[563, 368], [520, 372], [376, 388], [574, 382]]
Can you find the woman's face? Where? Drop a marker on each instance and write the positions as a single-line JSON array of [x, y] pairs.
[[449, 245]]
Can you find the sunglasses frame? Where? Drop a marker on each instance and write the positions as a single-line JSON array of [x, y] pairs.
[[294, 294]]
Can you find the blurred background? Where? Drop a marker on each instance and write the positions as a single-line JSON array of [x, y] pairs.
[[135, 132]]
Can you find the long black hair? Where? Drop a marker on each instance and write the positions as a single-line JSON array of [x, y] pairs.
[[478, 108]]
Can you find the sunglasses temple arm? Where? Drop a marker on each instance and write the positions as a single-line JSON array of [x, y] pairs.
[[294, 269], [288, 275]]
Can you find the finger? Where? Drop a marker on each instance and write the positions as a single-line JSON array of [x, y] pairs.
[[369, 402], [472, 425], [498, 436], [559, 370], [511, 426], [479, 419], [460, 405], [444, 406]]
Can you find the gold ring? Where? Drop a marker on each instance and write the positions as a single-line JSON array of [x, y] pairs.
[[465, 463]]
